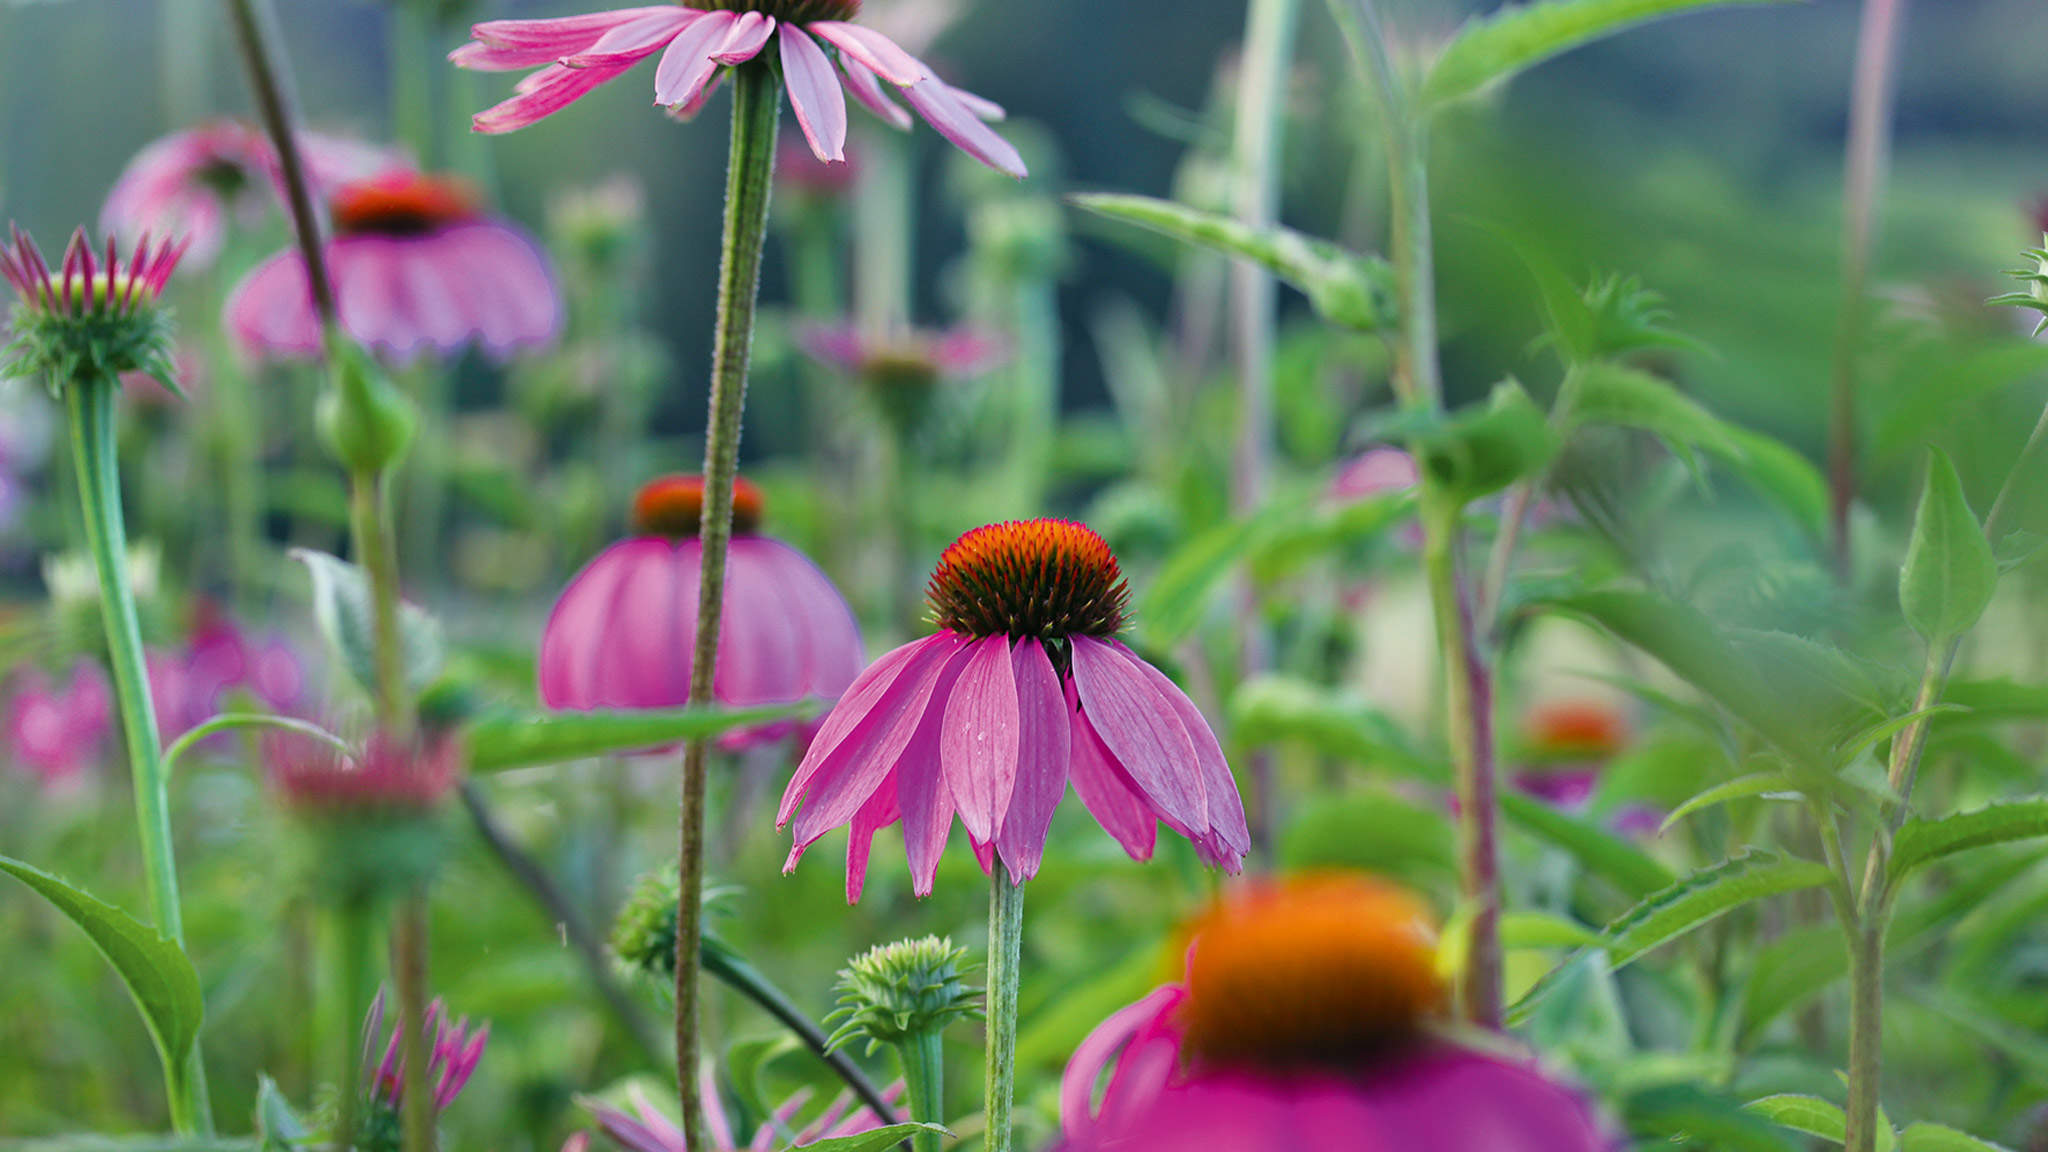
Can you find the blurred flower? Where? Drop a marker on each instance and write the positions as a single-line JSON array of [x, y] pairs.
[[386, 774], [798, 171], [450, 1063], [599, 224], [1303, 1024], [1374, 472], [622, 634], [1566, 744], [189, 183], [57, 734], [1024, 687], [189, 685], [93, 318], [416, 266], [646, 1128], [576, 54], [900, 370]]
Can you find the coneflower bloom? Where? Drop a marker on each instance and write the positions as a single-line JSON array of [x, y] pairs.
[[56, 734], [450, 1062], [385, 775], [417, 266], [700, 41], [1023, 688], [622, 633], [1304, 1023], [192, 183], [916, 355], [1565, 745], [646, 1128], [94, 317]]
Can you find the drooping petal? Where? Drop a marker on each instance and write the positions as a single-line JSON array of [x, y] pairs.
[[759, 651], [650, 626], [831, 655], [1219, 787], [814, 94], [1141, 731], [515, 302], [1043, 752], [632, 42], [981, 106], [1447, 1099], [272, 308], [880, 54], [1106, 790], [978, 746], [845, 720], [860, 80], [921, 789], [1100, 1050], [542, 94], [942, 109], [511, 45], [878, 813], [687, 64], [748, 36]]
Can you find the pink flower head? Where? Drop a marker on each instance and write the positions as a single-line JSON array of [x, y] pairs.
[[575, 54], [797, 170], [622, 633], [88, 285], [385, 775], [1567, 743], [1374, 472], [1301, 1025], [189, 183], [646, 1128], [55, 733], [416, 267], [1023, 688], [917, 356], [450, 1063]]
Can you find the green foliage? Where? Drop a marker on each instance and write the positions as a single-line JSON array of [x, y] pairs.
[[1810, 1115], [502, 741], [343, 610], [875, 1140], [1633, 872], [1687, 1116], [1925, 1137], [1921, 842], [1492, 49], [1274, 708], [1478, 451], [1949, 573]]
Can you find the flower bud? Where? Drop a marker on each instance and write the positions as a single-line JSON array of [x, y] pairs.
[[894, 993], [364, 421]]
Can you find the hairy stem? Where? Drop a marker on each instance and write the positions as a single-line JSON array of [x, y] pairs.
[[1866, 1033], [749, 179], [1005, 948]]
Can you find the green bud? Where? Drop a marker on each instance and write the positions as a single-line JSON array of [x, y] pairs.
[[644, 936], [364, 420], [896, 992]]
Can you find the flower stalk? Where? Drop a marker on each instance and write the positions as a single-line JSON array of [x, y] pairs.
[[749, 182], [1005, 947]]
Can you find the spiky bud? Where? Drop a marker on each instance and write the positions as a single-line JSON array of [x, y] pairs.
[[893, 993], [94, 318]]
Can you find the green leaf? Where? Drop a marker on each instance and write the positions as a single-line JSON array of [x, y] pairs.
[[1273, 708], [1543, 931], [500, 742], [1950, 573], [342, 608], [277, 1125], [1921, 842], [1480, 450], [1856, 745], [1173, 607], [1346, 289], [95, 1142], [1809, 1114], [1512, 40], [1779, 472], [1740, 788], [873, 1140], [1687, 1116], [157, 972], [1628, 868], [1622, 397], [1925, 1137]]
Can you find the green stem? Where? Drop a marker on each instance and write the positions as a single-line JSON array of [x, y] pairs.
[[89, 406], [370, 529], [750, 176], [742, 977], [356, 961], [414, 69], [232, 721], [885, 207], [1866, 1033], [924, 1079], [1005, 945], [409, 968]]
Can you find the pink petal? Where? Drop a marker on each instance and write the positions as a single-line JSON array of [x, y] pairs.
[[978, 747], [878, 813], [759, 649], [748, 36], [879, 53], [1107, 792], [628, 44], [688, 112], [861, 699], [1219, 787], [543, 94], [1045, 740], [860, 80], [271, 310], [979, 105], [687, 65], [1141, 731], [510, 45], [1096, 1053], [814, 94], [942, 109], [921, 788]]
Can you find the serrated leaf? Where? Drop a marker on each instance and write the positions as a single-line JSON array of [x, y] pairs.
[[1925, 1137], [1808, 1114], [342, 608], [1489, 50], [1347, 289], [1921, 842], [155, 970], [1480, 450], [1740, 788], [501, 742], [1631, 870], [1623, 397], [1949, 573], [873, 1140]]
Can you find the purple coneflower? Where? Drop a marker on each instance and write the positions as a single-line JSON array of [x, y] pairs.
[[1023, 688], [575, 54], [622, 633], [646, 1128], [57, 733], [1302, 1025], [417, 266], [450, 1063], [189, 183], [914, 355]]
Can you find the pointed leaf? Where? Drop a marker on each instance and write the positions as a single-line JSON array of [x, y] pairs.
[[1631, 870], [1489, 50], [342, 608], [1623, 397], [277, 1124], [157, 972], [1949, 573], [500, 742], [1480, 450], [1741, 788], [1710, 1121], [1925, 1137], [1921, 842], [1809, 1114], [873, 1140]]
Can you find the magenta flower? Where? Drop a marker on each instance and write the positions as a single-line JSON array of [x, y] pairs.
[[450, 1062], [646, 1128], [190, 183], [622, 633], [416, 267], [913, 355], [57, 734], [1023, 688], [314, 777], [575, 54], [1302, 1025], [1374, 472]]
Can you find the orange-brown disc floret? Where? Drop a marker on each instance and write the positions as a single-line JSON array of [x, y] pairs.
[[673, 506], [402, 204], [1582, 729], [1315, 970], [1046, 578]]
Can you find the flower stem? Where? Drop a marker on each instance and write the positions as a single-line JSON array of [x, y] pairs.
[[1866, 1032], [1005, 944], [924, 1078], [356, 962], [409, 970], [750, 175], [89, 406]]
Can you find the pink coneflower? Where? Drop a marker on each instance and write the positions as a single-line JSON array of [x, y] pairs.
[[385, 775], [1566, 744], [698, 44], [450, 1063], [191, 685], [1303, 1024], [646, 1128], [95, 316], [1023, 688], [58, 733], [909, 356], [622, 633], [417, 266], [190, 183]]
